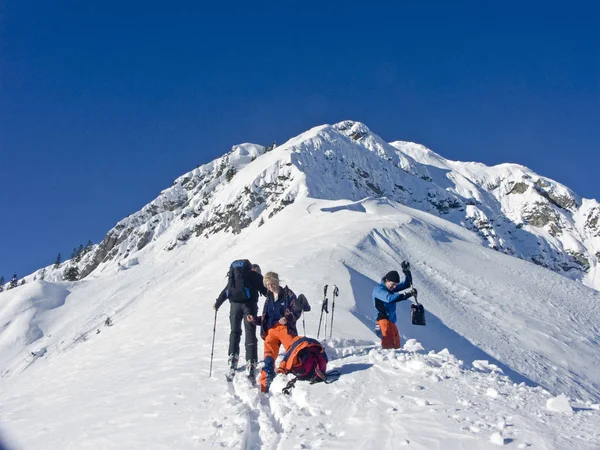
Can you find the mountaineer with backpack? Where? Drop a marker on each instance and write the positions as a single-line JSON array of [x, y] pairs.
[[278, 325], [244, 283], [385, 296]]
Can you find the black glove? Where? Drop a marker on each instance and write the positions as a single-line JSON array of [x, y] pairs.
[[406, 270], [405, 295]]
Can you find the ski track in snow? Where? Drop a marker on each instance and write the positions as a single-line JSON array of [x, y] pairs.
[[397, 398], [143, 382]]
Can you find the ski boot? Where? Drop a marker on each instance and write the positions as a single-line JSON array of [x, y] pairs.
[[268, 381], [251, 370], [233, 363]]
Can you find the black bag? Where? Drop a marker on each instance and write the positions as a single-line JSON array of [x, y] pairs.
[[417, 313], [302, 303], [238, 284]]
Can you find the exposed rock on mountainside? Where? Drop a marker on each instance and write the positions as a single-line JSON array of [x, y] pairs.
[[513, 209]]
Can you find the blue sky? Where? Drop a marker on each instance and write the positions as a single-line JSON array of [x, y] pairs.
[[103, 104]]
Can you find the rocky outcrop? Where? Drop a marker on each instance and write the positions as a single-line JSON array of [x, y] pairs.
[[511, 208], [592, 222], [540, 214], [518, 188]]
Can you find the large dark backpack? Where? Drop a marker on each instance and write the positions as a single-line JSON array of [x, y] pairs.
[[303, 356], [307, 360], [238, 284], [302, 360]]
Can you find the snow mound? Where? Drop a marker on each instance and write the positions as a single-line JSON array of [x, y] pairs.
[[497, 438], [559, 404]]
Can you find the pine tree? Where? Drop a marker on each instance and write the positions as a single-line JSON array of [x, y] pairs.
[[79, 252], [72, 274], [43, 274], [88, 247], [22, 282], [14, 282], [57, 262], [1, 283]]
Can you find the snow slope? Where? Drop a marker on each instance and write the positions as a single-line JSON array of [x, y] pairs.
[[504, 339], [509, 207], [550, 218]]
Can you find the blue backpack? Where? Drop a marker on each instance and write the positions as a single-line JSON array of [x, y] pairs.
[[238, 284]]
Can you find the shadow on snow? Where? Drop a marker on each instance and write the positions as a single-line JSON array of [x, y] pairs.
[[435, 336]]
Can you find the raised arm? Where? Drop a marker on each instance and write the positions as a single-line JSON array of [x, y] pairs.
[[386, 296], [407, 281], [405, 295]]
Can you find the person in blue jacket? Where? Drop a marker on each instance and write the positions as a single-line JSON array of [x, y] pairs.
[[385, 296]]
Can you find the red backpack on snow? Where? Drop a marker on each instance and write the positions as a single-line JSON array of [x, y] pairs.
[[307, 360]]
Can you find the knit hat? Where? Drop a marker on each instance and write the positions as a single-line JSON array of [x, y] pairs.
[[392, 276]]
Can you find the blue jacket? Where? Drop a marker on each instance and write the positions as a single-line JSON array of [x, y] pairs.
[[285, 306], [385, 300]]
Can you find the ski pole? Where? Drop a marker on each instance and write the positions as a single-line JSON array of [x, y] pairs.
[[336, 292], [326, 312], [212, 351], [325, 307], [322, 308]]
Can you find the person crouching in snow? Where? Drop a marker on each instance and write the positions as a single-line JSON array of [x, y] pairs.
[[278, 325], [385, 296]]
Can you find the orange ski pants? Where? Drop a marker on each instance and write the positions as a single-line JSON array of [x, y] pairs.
[[391, 338], [276, 336]]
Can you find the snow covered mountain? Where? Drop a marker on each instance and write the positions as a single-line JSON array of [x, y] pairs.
[[510, 207], [509, 356]]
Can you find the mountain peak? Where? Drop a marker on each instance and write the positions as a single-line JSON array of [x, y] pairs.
[[352, 129], [510, 208]]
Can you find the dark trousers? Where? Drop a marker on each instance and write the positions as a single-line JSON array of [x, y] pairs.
[[237, 315]]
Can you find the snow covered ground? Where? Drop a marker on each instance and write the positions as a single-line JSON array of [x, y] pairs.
[[509, 355]]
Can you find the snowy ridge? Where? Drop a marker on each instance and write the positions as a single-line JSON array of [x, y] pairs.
[[509, 355], [511, 208], [558, 219]]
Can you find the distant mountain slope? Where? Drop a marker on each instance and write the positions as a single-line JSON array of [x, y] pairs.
[[511, 208]]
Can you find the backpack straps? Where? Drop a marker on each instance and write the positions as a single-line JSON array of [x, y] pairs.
[[330, 377], [287, 390]]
